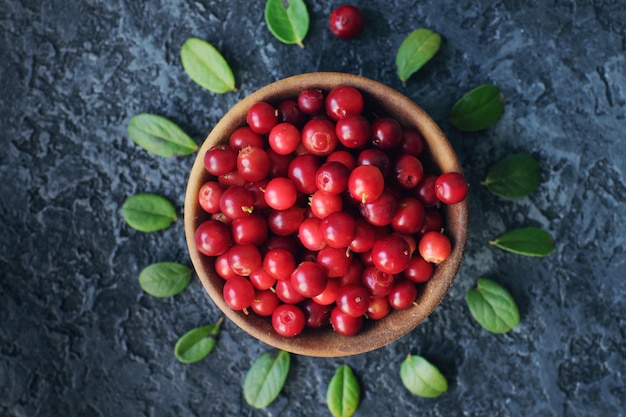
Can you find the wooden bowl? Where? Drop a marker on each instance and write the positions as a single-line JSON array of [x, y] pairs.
[[375, 334]]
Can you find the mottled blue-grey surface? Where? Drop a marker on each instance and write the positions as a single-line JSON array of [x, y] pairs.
[[78, 337]]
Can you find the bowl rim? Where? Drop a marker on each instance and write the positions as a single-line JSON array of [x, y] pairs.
[[375, 334]]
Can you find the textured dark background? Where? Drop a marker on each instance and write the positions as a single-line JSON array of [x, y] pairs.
[[78, 337]]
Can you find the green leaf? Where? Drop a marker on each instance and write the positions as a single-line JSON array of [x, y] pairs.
[[514, 176], [478, 109], [492, 306], [343, 393], [529, 241], [265, 379], [160, 136], [197, 343], [148, 212], [206, 66], [288, 20], [415, 51], [164, 279], [422, 378]]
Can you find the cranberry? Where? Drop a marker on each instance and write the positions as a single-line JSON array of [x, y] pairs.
[[346, 21]]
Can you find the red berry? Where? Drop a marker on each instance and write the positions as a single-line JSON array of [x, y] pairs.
[[265, 302], [279, 263], [209, 196], [338, 229], [309, 278], [344, 324], [451, 187], [343, 101], [391, 254], [262, 117], [280, 193], [353, 131], [435, 247], [220, 159], [244, 258], [243, 137], [366, 183], [418, 270], [346, 21], [284, 138], [288, 320], [353, 300], [402, 295], [212, 238], [311, 101], [319, 137], [238, 293], [317, 315]]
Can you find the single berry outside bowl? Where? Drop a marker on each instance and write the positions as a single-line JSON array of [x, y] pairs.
[[375, 333]]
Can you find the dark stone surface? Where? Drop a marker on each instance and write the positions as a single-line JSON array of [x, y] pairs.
[[80, 338]]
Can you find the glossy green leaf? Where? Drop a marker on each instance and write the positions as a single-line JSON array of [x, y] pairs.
[[197, 343], [343, 393], [415, 51], [422, 378], [148, 212], [528, 241], [478, 109], [164, 279], [265, 379], [206, 66], [514, 176], [492, 306], [288, 20], [160, 136]]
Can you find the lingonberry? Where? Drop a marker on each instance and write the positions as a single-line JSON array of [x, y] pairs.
[[408, 171], [285, 222], [279, 263], [386, 133], [280, 193], [309, 278], [289, 111], [261, 279], [212, 237], [425, 190], [288, 320], [311, 101], [244, 258], [376, 157], [253, 163], [451, 187], [329, 295], [332, 177], [336, 261], [402, 295], [344, 157], [378, 308], [319, 137], [346, 21], [317, 315], [343, 101], [310, 235], [353, 131], [377, 282], [409, 216], [391, 254], [287, 293], [322, 203], [265, 302], [262, 117], [419, 270], [284, 138], [236, 202], [353, 300], [244, 136], [209, 196], [412, 142], [251, 229], [338, 229], [238, 293], [222, 267], [366, 183], [344, 324], [220, 159], [381, 211], [302, 171], [435, 247]]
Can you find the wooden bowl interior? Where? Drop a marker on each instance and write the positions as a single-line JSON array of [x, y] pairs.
[[375, 334]]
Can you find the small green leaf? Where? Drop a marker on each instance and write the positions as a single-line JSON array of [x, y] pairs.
[[514, 176], [164, 279], [160, 136], [148, 212], [197, 343], [343, 393], [422, 378], [478, 109], [206, 66], [492, 306], [288, 20], [265, 379], [415, 51], [529, 241]]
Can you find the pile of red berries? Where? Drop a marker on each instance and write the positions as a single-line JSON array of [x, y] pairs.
[[320, 215]]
